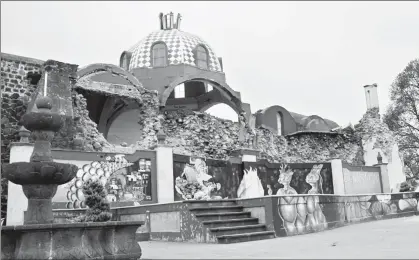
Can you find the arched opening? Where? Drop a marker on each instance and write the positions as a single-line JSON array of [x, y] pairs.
[[223, 111], [279, 123], [125, 128], [201, 57], [159, 55]]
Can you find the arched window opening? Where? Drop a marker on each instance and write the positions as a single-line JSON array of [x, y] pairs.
[[279, 123], [180, 91], [159, 55], [201, 57]]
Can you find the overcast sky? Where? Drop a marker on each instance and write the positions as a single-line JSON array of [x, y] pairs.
[[309, 57]]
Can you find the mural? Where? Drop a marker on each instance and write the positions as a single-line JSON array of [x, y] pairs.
[[221, 179], [250, 186], [300, 214], [123, 180], [270, 173], [196, 183]]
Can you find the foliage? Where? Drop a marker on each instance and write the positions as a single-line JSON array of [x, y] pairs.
[[404, 187], [4, 185], [402, 115], [98, 207]]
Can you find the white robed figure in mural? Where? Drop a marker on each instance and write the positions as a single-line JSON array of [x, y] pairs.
[[250, 186], [202, 171]]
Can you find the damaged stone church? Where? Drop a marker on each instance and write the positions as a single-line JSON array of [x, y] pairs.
[[160, 91]]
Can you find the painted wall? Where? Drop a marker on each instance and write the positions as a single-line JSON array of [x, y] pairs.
[[225, 175], [286, 215], [296, 174], [213, 179], [91, 165], [296, 215], [362, 179]]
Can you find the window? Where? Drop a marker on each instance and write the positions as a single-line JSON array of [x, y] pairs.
[[159, 55], [279, 123], [180, 91], [209, 88], [201, 57]]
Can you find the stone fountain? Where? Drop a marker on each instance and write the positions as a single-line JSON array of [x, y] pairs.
[[39, 237]]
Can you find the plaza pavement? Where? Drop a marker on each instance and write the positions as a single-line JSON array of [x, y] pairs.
[[391, 239]]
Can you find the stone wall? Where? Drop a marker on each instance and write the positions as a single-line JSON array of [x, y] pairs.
[[16, 88]]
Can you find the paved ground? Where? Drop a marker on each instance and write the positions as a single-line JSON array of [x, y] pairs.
[[394, 238]]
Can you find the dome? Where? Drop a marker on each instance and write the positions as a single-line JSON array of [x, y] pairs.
[[180, 49]]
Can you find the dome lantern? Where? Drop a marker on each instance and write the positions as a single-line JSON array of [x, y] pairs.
[[167, 21]]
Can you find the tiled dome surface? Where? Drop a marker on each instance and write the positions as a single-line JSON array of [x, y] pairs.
[[180, 47]]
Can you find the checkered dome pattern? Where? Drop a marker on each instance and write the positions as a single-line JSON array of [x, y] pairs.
[[180, 49]]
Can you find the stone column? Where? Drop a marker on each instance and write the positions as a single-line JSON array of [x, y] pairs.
[[165, 181], [337, 177], [385, 178], [18, 203]]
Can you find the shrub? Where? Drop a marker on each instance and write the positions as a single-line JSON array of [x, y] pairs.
[[98, 207]]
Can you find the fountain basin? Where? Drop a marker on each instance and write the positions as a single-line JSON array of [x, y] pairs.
[[23, 173], [87, 240]]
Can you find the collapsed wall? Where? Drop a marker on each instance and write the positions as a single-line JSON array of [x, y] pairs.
[[200, 134]]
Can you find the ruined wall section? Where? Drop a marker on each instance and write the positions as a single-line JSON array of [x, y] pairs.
[[16, 89], [200, 134]]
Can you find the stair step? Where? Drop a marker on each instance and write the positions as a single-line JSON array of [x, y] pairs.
[[230, 222], [245, 237], [231, 230], [216, 209], [209, 203], [223, 216]]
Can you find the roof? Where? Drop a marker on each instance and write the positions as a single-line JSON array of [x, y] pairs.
[[180, 47], [300, 119]]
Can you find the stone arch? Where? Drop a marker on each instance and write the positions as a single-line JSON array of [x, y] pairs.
[[267, 118], [225, 90], [113, 69]]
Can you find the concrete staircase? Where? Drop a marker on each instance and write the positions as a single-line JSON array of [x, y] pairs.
[[228, 222]]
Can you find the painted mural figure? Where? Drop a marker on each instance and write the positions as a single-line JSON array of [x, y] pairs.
[[315, 180], [202, 171], [299, 214], [250, 186], [315, 219], [196, 183], [286, 204]]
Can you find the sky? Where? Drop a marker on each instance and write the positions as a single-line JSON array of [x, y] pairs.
[[312, 58]]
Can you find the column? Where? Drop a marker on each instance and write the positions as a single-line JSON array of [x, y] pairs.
[[385, 178], [337, 177], [165, 181]]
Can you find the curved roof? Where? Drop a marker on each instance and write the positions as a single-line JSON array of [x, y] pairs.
[[180, 49]]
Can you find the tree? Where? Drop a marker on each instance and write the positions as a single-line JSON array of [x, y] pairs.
[[402, 115], [99, 209]]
